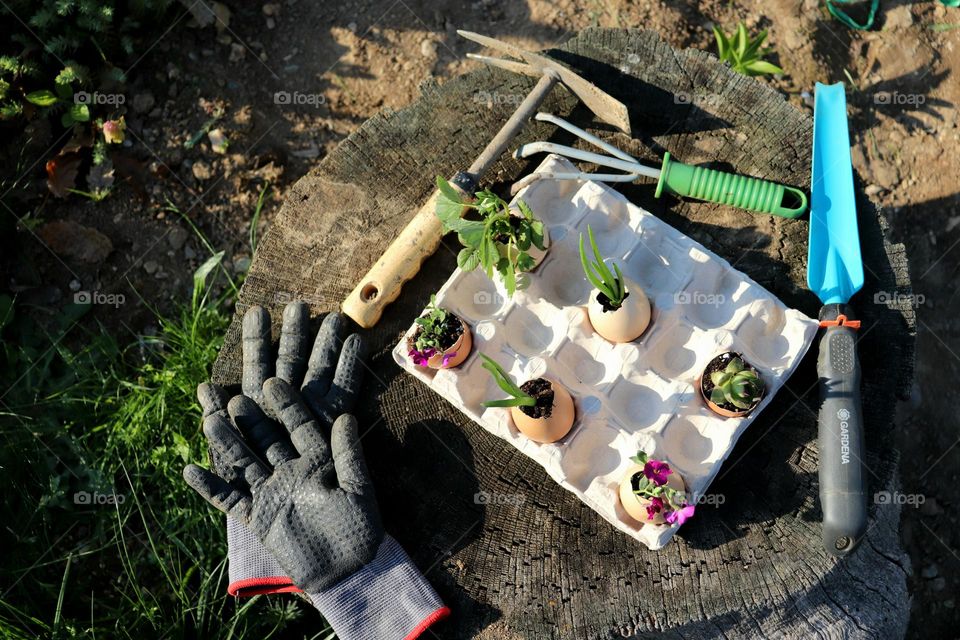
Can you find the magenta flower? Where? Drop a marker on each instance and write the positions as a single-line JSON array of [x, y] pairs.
[[447, 357], [657, 471], [655, 507], [679, 516], [420, 358]]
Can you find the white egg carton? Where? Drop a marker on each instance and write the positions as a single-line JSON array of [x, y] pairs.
[[639, 395]]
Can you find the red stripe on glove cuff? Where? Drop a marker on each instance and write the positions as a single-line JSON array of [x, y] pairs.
[[259, 586], [437, 615]]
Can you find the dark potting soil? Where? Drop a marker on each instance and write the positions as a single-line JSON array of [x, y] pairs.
[[452, 330], [719, 364], [542, 392], [605, 301]]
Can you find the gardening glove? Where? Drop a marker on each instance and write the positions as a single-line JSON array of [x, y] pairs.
[[329, 378], [311, 503]]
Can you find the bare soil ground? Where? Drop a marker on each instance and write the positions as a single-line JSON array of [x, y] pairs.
[[286, 82]]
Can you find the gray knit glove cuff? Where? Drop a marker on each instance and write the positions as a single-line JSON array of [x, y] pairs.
[[387, 599]]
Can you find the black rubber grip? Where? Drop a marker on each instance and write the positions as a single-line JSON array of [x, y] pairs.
[[843, 495]]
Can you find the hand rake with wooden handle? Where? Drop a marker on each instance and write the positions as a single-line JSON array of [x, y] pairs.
[[421, 237]]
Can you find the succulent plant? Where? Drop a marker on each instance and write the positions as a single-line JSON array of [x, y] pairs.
[[738, 385]]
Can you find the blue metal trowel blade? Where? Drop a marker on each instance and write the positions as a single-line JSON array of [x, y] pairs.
[[834, 266]]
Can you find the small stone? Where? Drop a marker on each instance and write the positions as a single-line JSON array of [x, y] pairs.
[[201, 170], [930, 572], [75, 241], [271, 9], [352, 26], [428, 49], [873, 189], [952, 222], [939, 584], [177, 237], [143, 102], [150, 266], [271, 23], [75, 285], [807, 98], [237, 52], [241, 264], [189, 252]]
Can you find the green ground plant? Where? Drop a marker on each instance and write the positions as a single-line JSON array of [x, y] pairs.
[[102, 537], [744, 53]]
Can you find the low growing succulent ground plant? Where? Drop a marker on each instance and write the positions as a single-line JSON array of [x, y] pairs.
[[437, 330], [652, 486], [611, 285], [497, 229], [738, 384]]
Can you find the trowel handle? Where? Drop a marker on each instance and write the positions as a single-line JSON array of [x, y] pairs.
[[744, 192], [399, 263], [843, 496]]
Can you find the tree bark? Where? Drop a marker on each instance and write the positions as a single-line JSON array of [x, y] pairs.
[[541, 564]]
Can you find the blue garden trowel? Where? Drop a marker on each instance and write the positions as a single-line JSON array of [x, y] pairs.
[[835, 273]]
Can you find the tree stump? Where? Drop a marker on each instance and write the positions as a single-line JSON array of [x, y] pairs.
[[542, 564]]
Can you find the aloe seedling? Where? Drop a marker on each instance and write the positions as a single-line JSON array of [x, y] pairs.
[[598, 273], [743, 52], [498, 227], [737, 384], [518, 398]]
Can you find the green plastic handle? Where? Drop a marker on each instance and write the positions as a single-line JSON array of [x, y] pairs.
[[735, 190]]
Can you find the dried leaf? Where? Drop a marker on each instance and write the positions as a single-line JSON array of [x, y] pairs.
[[62, 174]]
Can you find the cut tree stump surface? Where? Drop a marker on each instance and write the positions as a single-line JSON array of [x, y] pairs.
[[514, 554]]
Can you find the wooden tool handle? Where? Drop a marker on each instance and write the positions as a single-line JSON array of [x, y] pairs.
[[401, 261]]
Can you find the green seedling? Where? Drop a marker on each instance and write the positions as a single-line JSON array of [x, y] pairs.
[[433, 326], [743, 52], [518, 397], [498, 241], [598, 273], [737, 385]]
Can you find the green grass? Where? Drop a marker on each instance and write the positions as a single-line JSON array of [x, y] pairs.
[[81, 412]]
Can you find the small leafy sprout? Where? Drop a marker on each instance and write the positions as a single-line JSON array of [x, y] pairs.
[[498, 227], [653, 486], [434, 326], [744, 53], [737, 385], [599, 274], [518, 397]]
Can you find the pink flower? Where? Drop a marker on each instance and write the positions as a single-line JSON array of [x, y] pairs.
[[420, 358], [655, 507], [113, 131], [657, 471], [447, 357], [679, 516]]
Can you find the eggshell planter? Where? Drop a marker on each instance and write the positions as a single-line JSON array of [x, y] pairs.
[[461, 350], [550, 428], [636, 506], [625, 324], [727, 413], [626, 396]]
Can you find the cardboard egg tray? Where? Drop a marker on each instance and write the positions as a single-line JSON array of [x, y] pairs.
[[628, 396]]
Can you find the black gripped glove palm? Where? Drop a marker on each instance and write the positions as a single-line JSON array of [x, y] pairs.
[[311, 504], [329, 375]]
